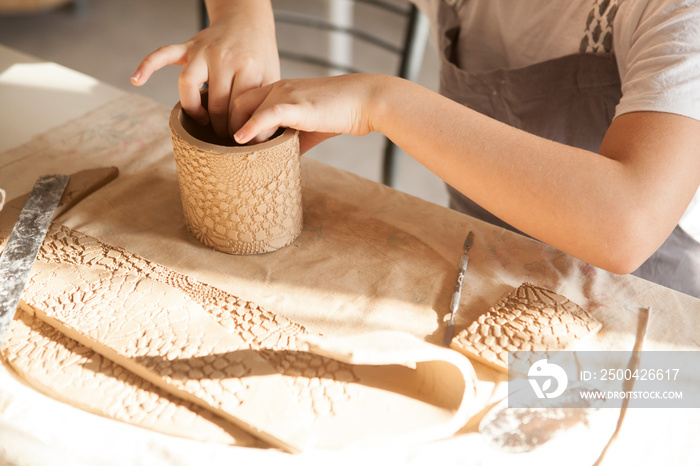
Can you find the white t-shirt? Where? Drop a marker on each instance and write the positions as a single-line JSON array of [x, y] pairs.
[[656, 44]]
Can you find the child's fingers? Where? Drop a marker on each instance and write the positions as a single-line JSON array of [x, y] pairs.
[[191, 79], [268, 118], [220, 79], [246, 104], [243, 82], [168, 55]]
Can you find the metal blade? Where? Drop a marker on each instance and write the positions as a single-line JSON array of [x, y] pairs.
[[469, 240], [457, 293], [449, 333], [24, 243]]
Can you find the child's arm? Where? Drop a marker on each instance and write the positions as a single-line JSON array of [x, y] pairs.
[[612, 209], [237, 52]]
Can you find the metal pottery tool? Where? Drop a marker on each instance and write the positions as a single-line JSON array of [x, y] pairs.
[[24, 243], [457, 294]]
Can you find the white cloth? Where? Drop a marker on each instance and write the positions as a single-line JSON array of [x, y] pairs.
[[656, 44]]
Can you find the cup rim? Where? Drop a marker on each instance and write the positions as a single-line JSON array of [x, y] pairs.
[[176, 125]]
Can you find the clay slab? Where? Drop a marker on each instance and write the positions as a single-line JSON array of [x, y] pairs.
[[242, 363], [530, 318], [73, 373]]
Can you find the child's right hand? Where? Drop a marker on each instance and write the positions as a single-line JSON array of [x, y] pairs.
[[319, 108]]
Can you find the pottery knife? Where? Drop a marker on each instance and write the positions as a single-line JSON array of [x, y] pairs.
[[24, 243], [457, 294]]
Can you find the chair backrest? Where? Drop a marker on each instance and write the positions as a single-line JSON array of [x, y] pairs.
[[349, 36], [317, 37]]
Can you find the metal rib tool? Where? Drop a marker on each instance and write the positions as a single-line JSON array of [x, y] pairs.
[[24, 243], [457, 294]]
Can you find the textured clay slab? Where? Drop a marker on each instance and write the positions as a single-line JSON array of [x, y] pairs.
[[255, 325], [159, 334], [44, 357], [240, 362], [531, 318]]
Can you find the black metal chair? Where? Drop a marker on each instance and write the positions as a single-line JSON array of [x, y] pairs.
[[409, 49]]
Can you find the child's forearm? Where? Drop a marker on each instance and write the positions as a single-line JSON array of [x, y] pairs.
[[256, 11], [612, 211]]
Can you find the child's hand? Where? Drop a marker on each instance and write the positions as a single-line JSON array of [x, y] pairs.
[[323, 106], [234, 55]]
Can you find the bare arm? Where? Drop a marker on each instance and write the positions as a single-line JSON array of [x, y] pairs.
[[237, 52], [612, 209]]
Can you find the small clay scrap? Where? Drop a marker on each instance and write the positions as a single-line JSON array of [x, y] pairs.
[[530, 318], [520, 430]]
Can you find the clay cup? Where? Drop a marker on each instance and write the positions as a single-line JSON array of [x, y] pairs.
[[237, 199]]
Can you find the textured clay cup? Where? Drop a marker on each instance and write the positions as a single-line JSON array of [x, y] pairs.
[[237, 199]]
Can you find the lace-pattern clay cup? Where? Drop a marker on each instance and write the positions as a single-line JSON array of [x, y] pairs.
[[237, 199]]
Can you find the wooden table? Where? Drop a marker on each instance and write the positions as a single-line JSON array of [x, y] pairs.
[[369, 258]]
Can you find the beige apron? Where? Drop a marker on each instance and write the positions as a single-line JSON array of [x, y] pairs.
[[570, 100]]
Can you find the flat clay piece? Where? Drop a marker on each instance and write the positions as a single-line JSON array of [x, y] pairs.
[[530, 318], [243, 364], [238, 199], [255, 325], [171, 342], [44, 357]]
